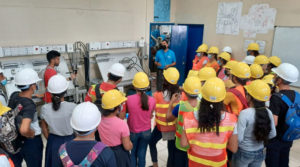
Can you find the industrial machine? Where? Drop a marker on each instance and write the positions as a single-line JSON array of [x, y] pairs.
[[11, 67]]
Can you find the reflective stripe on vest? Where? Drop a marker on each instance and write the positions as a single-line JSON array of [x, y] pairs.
[[207, 148], [161, 114], [184, 107]]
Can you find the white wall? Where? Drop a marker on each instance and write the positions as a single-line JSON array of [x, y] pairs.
[[205, 12]]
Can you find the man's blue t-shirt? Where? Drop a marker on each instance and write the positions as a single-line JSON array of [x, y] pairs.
[[175, 110], [78, 150], [165, 58]]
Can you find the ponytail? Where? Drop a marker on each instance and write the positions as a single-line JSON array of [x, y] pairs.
[[56, 100], [144, 100], [262, 125]]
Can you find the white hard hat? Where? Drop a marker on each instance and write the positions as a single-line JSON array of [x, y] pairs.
[[1, 71], [27, 76], [227, 49], [287, 72], [117, 69], [249, 59], [85, 117], [57, 84]]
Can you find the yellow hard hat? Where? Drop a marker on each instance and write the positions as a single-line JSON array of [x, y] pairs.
[[276, 61], [259, 90], [253, 46], [206, 73], [213, 50], [141, 80], [214, 90], [112, 99], [226, 56], [202, 48], [3, 109], [192, 85], [230, 64], [269, 79], [261, 59], [193, 73], [256, 71], [171, 75], [241, 70]]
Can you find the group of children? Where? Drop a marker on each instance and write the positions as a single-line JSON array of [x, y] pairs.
[[225, 114]]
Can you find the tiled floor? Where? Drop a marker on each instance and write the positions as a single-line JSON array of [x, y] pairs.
[[163, 154]]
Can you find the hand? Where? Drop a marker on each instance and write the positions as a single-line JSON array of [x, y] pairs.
[[73, 76], [175, 97], [158, 64], [167, 66], [39, 95]]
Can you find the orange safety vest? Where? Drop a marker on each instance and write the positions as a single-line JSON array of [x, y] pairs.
[[208, 149], [236, 106], [214, 65], [161, 114]]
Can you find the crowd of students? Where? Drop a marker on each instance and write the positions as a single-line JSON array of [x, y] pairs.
[[225, 114]]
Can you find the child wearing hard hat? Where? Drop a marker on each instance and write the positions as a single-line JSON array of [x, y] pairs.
[[140, 108], [228, 79], [263, 61], [223, 58], [84, 150], [114, 132], [278, 148], [256, 72], [274, 62], [163, 128], [209, 130], [206, 73], [255, 126], [191, 88], [253, 50], [235, 100], [27, 119], [115, 75], [201, 58], [228, 50], [213, 56], [55, 119]]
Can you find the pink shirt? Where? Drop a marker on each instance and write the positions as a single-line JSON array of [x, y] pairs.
[[112, 129], [139, 120]]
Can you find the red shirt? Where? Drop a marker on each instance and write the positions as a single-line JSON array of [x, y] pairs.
[[104, 87], [47, 75]]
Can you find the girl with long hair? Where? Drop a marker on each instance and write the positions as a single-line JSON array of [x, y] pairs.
[[255, 126], [56, 119], [209, 130]]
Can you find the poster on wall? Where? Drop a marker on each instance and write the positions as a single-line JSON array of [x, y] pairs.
[[228, 18], [259, 20]]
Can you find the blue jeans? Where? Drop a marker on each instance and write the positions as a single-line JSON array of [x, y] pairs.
[[138, 153], [244, 158], [31, 152]]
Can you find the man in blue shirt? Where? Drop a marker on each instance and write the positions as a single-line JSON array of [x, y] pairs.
[[164, 59]]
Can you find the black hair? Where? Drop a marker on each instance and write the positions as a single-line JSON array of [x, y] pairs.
[[285, 82], [52, 54], [56, 100], [209, 116], [22, 86], [113, 77], [223, 61], [170, 88], [165, 41], [107, 112], [255, 52], [241, 81], [270, 66], [215, 56], [205, 54], [262, 125], [144, 100]]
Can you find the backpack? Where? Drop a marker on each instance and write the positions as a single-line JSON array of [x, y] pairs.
[[13, 99], [9, 135], [87, 161], [292, 118], [240, 97]]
